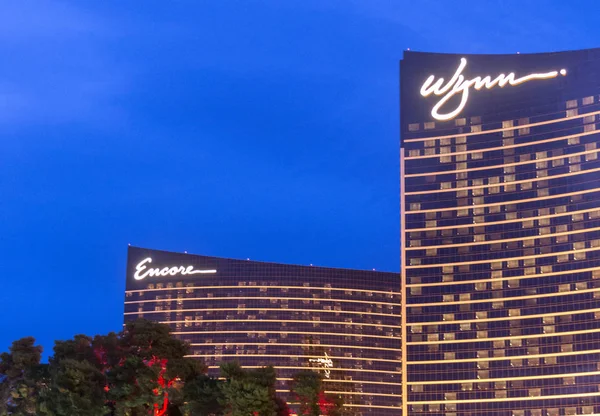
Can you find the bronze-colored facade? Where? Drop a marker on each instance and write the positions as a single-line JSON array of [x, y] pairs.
[[500, 234], [342, 323]]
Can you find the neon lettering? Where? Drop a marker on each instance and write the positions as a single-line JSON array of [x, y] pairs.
[[142, 270], [459, 85]]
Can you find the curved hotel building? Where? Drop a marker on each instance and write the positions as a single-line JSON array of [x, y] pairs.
[[500, 237], [342, 323]]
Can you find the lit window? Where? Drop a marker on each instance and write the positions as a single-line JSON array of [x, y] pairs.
[[588, 100]]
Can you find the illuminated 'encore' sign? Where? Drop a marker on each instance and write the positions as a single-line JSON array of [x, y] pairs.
[[459, 85], [326, 363], [141, 270]]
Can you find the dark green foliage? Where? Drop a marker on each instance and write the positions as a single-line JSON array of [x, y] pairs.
[[21, 378], [79, 349], [138, 371], [249, 392], [203, 396], [76, 388], [144, 364], [306, 386]]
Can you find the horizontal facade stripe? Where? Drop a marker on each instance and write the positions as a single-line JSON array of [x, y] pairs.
[[268, 287], [373, 406], [297, 345], [266, 297], [362, 405], [328, 333], [503, 165], [499, 279], [506, 358], [480, 133], [520, 181], [493, 223], [358, 370], [534, 256], [509, 299], [511, 146], [475, 340], [505, 318], [489, 380], [510, 399], [305, 321], [511, 202], [507, 240], [290, 355], [357, 393], [331, 380], [261, 309]]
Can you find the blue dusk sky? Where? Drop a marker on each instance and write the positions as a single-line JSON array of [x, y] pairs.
[[247, 129]]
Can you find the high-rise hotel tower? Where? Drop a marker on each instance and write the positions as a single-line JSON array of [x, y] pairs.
[[500, 234], [342, 323]]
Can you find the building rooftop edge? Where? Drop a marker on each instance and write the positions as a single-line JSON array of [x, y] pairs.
[[413, 52], [266, 262]]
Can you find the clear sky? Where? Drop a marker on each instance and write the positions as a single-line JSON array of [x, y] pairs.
[[247, 129]]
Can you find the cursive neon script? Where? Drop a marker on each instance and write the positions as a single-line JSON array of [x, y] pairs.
[[142, 270], [459, 85], [326, 363]]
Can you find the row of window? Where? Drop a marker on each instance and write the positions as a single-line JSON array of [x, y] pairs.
[[475, 121]]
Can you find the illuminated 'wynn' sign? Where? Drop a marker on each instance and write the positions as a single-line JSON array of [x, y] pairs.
[[459, 85], [142, 270]]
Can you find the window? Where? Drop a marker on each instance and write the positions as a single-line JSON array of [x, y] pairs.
[[524, 130], [571, 103], [588, 100], [505, 125]]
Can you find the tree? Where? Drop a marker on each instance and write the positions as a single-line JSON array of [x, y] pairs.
[[250, 392], [21, 378], [144, 367], [75, 388], [139, 371], [203, 396], [307, 388]]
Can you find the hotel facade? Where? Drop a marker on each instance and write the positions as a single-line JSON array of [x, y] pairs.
[[500, 233], [342, 323]]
